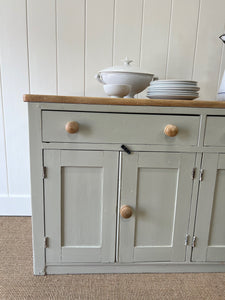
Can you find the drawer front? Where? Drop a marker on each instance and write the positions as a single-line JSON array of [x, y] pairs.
[[215, 131], [119, 128]]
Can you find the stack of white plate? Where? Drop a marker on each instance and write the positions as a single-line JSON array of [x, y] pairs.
[[173, 89]]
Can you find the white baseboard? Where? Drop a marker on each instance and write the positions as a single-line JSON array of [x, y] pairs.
[[15, 205]]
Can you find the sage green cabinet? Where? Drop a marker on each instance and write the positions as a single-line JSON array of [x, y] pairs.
[[210, 217], [157, 186], [81, 200], [80, 205], [99, 209]]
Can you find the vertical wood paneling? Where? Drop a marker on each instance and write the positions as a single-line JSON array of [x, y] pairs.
[[99, 42], [3, 166], [42, 46], [182, 39], [208, 50], [128, 28], [155, 32], [14, 75], [69, 41], [222, 65], [70, 47], [155, 36]]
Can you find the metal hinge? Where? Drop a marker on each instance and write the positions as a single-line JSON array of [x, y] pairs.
[[193, 173], [46, 242], [44, 172], [193, 244], [201, 175], [186, 241]]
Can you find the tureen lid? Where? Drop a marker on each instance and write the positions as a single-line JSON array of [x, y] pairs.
[[126, 67]]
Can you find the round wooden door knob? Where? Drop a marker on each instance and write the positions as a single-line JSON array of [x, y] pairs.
[[126, 211], [171, 130], [72, 127]]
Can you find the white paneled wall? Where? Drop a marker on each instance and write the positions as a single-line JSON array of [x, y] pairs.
[[14, 83], [3, 161], [41, 25], [208, 50], [98, 42], [155, 38], [57, 46], [70, 28], [127, 30], [182, 38]]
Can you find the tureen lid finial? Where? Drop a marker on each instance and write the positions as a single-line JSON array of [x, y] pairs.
[[127, 61], [222, 37]]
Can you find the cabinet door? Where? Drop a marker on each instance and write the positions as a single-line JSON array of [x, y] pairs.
[[158, 187], [80, 205], [210, 218]]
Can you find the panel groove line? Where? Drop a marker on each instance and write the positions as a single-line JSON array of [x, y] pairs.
[[118, 206], [28, 50], [84, 45], [196, 40], [113, 32], [175, 204], [4, 188], [169, 39], [56, 50], [221, 69], [141, 35]]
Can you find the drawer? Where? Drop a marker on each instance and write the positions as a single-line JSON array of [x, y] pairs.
[[215, 131], [119, 128]]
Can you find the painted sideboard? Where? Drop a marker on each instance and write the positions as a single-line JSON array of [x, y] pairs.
[[127, 185]]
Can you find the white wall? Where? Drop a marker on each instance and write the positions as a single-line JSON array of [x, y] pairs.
[[57, 46]]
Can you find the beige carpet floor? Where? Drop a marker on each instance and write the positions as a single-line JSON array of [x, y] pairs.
[[18, 282]]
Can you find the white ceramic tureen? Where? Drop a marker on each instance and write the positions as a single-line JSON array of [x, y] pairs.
[[126, 74]]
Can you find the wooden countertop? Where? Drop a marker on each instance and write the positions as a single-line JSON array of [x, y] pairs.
[[122, 101]]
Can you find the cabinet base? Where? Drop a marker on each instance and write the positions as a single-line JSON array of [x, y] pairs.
[[135, 268]]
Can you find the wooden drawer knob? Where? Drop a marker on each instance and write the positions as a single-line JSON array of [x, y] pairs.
[[171, 130], [72, 127], [126, 211]]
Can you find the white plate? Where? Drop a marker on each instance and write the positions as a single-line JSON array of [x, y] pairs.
[[173, 84], [171, 88], [173, 93], [172, 97], [174, 81]]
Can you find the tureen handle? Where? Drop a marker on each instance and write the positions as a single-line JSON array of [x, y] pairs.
[[99, 78]]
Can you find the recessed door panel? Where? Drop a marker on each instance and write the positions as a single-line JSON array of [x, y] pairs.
[[217, 226], [210, 220], [158, 188], [152, 200], [80, 205]]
